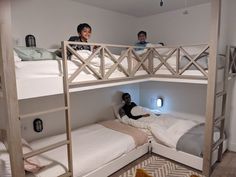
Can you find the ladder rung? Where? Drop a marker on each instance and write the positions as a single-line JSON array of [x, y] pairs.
[[42, 112], [67, 174], [215, 145], [45, 149], [219, 119], [220, 93]]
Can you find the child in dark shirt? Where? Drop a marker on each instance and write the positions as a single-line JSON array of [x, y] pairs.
[[84, 32], [126, 109]]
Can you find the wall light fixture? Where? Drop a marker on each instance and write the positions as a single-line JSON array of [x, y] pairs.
[[159, 102]]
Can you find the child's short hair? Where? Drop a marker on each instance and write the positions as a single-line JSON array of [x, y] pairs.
[[81, 26], [142, 32], [124, 95]]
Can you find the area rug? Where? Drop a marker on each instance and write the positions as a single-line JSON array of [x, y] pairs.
[[157, 166]]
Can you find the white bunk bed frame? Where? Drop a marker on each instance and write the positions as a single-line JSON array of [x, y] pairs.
[[10, 99]]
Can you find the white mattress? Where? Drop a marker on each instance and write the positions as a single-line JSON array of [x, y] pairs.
[[165, 128], [93, 146], [43, 78]]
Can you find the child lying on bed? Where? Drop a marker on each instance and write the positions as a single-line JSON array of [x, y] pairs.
[[166, 128], [126, 109]]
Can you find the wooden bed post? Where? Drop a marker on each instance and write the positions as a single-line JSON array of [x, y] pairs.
[[211, 88], [11, 113]]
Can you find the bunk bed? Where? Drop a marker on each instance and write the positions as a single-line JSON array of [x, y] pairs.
[[105, 69]]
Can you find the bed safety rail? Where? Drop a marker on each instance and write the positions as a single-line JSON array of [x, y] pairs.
[[112, 63]]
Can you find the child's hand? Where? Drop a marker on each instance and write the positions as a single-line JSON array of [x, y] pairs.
[[95, 47], [146, 115]]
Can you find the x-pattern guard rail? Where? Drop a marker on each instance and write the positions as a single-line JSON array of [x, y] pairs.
[[130, 62]]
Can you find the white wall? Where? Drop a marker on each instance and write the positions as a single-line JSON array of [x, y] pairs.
[[86, 107], [52, 21], [177, 97], [174, 28]]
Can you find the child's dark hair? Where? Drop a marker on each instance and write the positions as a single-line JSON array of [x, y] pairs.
[[81, 26], [124, 95], [142, 32]]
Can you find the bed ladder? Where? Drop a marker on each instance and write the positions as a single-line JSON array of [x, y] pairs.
[[218, 121], [213, 95], [68, 141], [11, 107]]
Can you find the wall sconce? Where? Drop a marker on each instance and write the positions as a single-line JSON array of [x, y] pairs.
[[38, 125], [159, 102]]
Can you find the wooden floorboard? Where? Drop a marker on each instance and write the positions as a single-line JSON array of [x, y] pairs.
[[225, 168]]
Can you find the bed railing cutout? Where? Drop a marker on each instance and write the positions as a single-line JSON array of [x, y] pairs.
[[131, 65]]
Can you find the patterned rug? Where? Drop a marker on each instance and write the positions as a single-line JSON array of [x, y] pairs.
[[159, 167]]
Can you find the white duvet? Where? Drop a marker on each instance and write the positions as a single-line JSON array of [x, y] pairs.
[[165, 128]]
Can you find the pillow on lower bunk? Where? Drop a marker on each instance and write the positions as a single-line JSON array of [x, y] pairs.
[[116, 109], [34, 53], [32, 164]]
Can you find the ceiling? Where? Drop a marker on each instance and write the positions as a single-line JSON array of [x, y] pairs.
[[141, 8]]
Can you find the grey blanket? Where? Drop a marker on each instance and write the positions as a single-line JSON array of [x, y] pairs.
[[192, 142]]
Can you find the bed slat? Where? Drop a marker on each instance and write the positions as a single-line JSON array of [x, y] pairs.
[[45, 149], [216, 145], [43, 112]]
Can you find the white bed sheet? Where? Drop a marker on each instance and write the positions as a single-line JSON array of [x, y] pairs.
[[166, 128], [93, 147]]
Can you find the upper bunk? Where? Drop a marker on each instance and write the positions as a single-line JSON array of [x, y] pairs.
[[111, 65]]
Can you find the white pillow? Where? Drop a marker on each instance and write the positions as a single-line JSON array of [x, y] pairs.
[[116, 109], [16, 57], [153, 45], [32, 164], [96, 61], [139, 110]]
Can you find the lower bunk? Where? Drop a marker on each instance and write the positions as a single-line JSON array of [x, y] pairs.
[[190, 160], [98, 151], [173, 137]]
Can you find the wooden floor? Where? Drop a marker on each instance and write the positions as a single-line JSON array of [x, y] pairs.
[[226, 168]]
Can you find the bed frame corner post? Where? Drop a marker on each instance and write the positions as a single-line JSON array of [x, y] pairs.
[[10, 99], [211, 87]]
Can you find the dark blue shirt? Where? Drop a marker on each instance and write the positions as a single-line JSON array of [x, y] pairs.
[[128, 108]]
